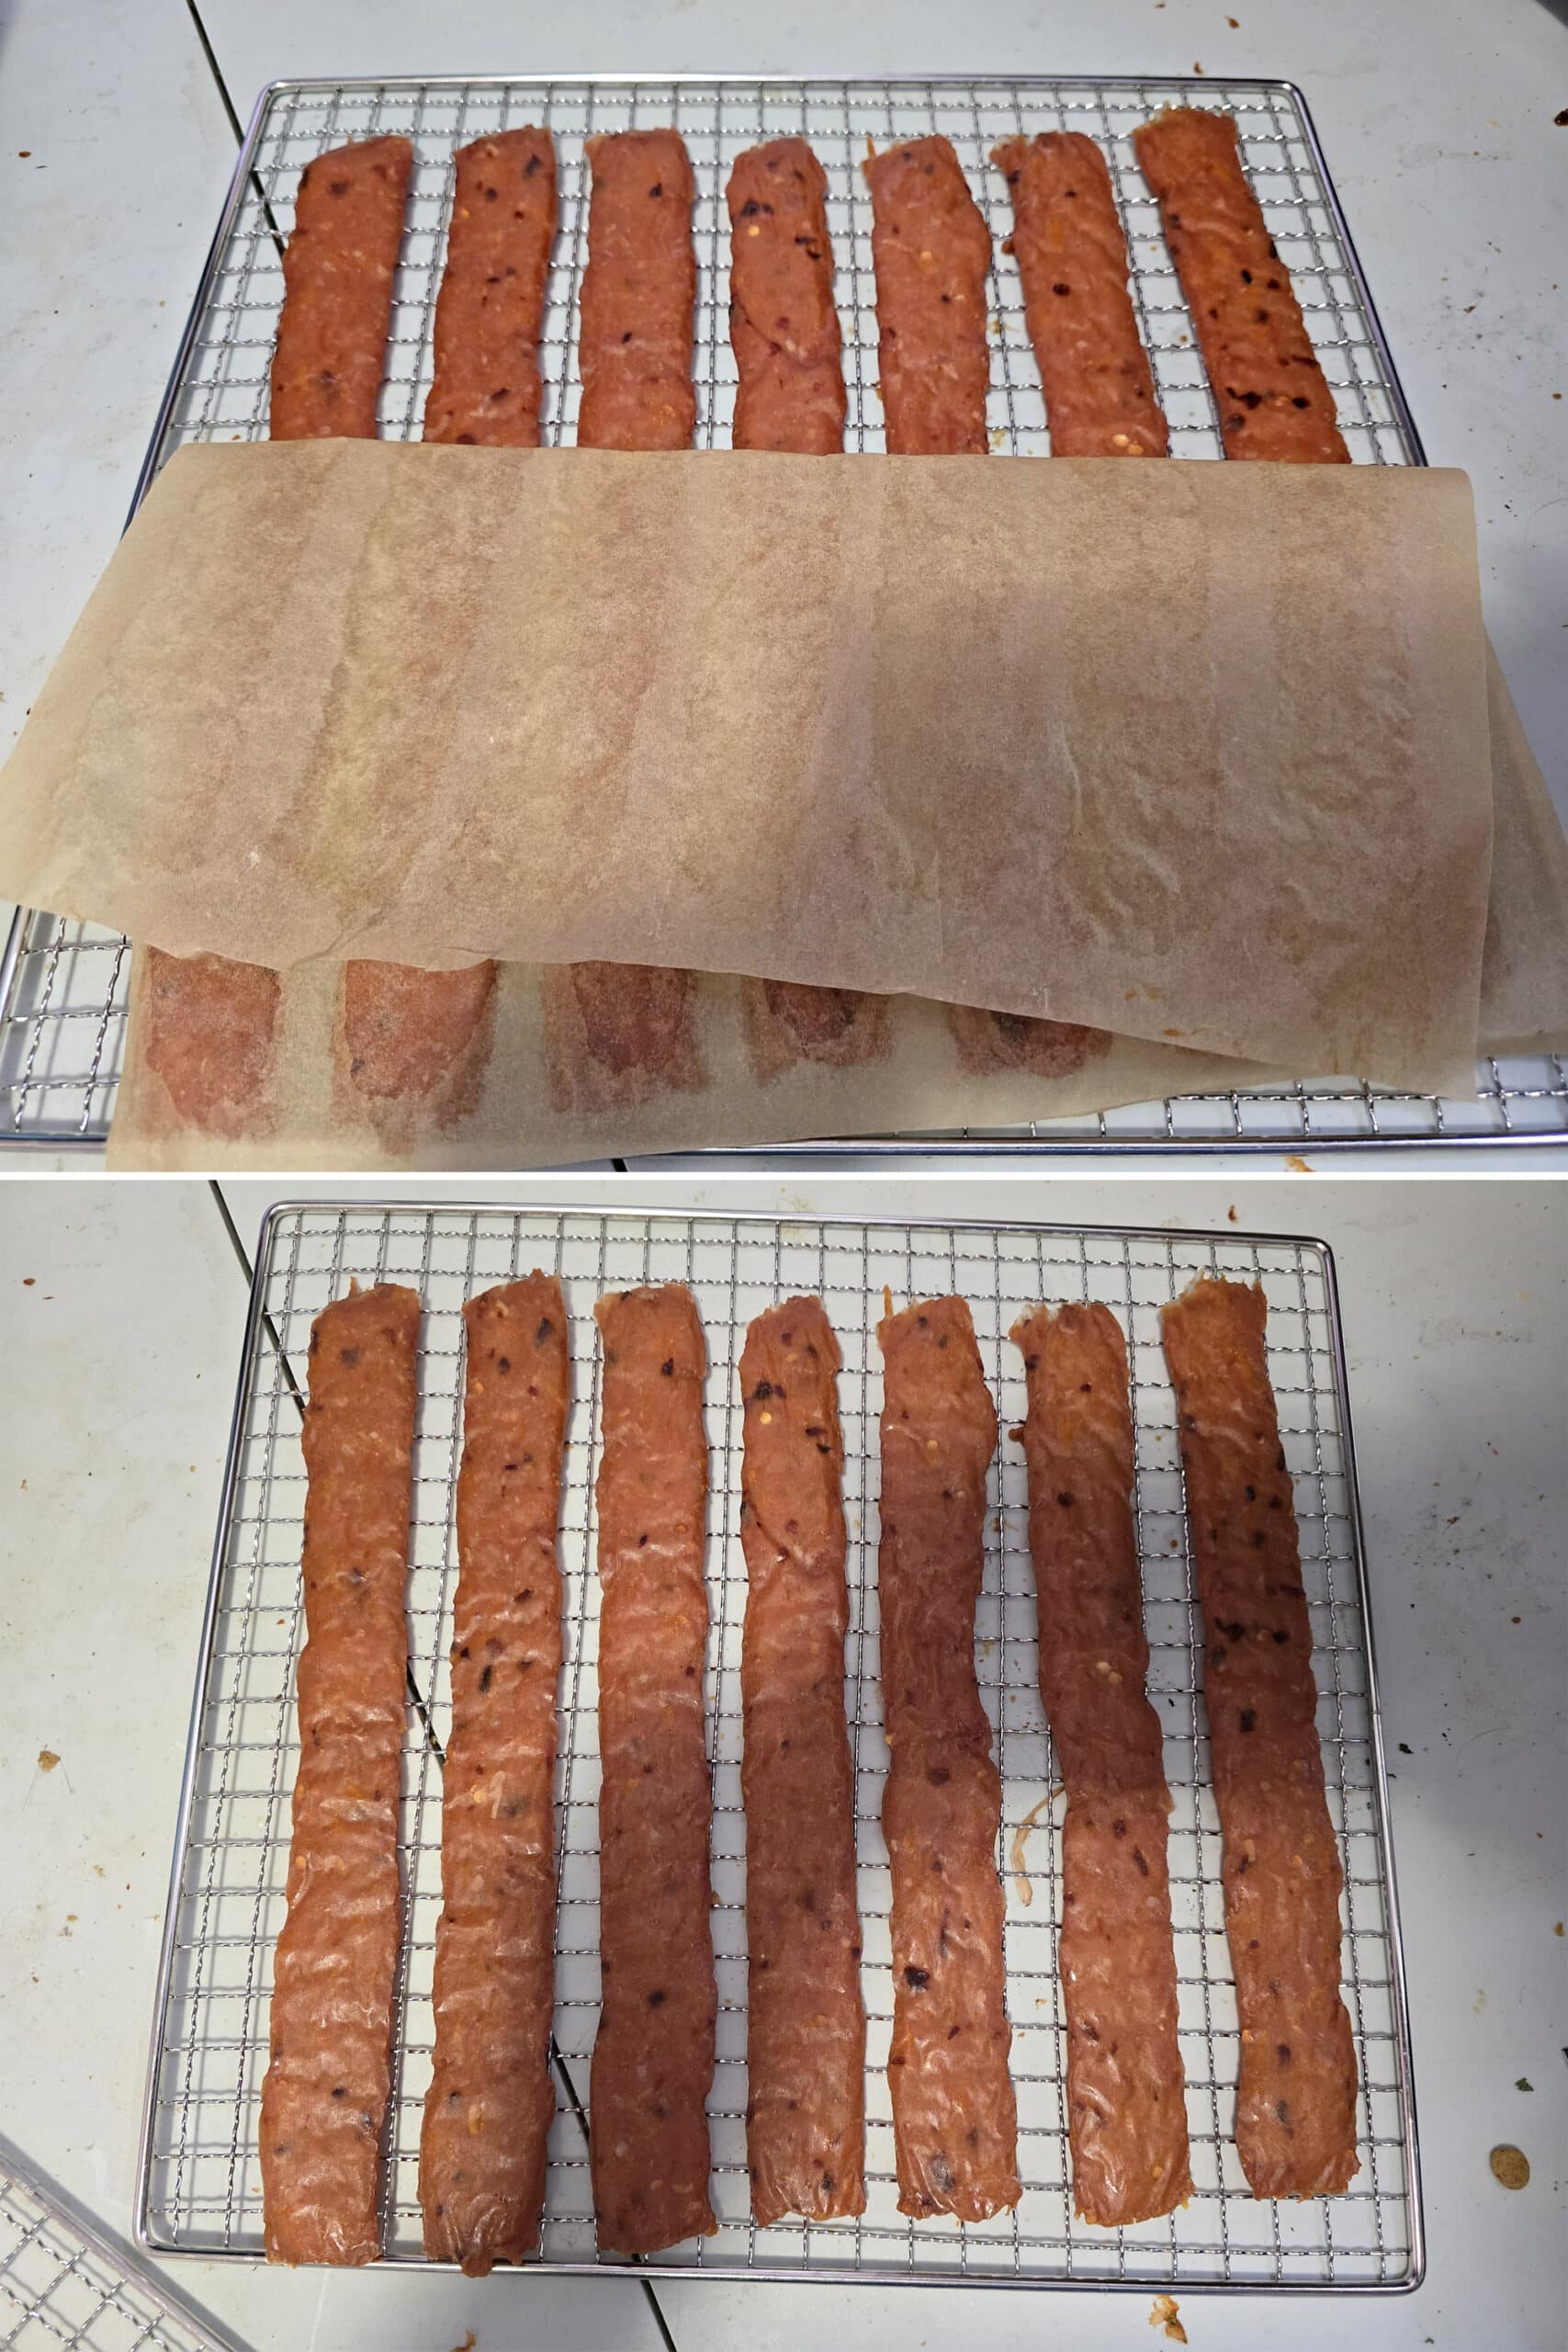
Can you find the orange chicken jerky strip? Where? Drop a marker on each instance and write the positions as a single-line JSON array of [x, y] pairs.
[[329, 2078], [654, 2053], [639, 291], [406, 1031], [806, 2020], [408, 1038], [1273, 399], [790, 397], [490, 308], [1295, 2121], [1072, 258], [338, 270], [783, 324], [614, 1032], [931, 249], [490, 2103], [211, 1023], [1126, 2106], [954, 2119]]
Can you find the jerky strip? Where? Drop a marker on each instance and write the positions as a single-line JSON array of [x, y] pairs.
[[989, 1042], [1295, 2118], [337, 274], [638, 289], [782, 323], [806, 2020], [490, 2103], [614, 1033], [411, 1046], [1274, 397], [790, 397], [789, 1022], [1126, 2102], [211, 1023], [407, 1033], [324, 2099], [491, 304], [210, 1032], [930, 249], [1072, 258], [653, 2055], [954, 2120]]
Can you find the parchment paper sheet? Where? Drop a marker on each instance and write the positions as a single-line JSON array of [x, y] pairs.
[[1195, 753], [501, 1106], [1524, 973]]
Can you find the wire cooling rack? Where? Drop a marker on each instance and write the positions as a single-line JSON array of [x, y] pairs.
[[62, 986], [200, 2187], [63, 2283]]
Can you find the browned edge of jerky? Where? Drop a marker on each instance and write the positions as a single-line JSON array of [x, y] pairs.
[[805, 2017], [328, 2081], [654, 2053], [1295, 2117], [491, 2101], [1126, 2104], [955, 2114]]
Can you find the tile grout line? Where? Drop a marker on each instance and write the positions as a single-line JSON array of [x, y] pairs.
[[207, 51]]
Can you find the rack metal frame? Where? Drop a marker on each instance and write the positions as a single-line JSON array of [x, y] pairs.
[[199, 2187]]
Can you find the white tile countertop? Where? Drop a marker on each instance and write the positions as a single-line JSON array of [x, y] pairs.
[[126, 1305], [1438, 130]]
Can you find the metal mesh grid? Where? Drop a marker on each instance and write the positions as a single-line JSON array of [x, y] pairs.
[[62, 2284], [62, 985], [201, 2188]]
